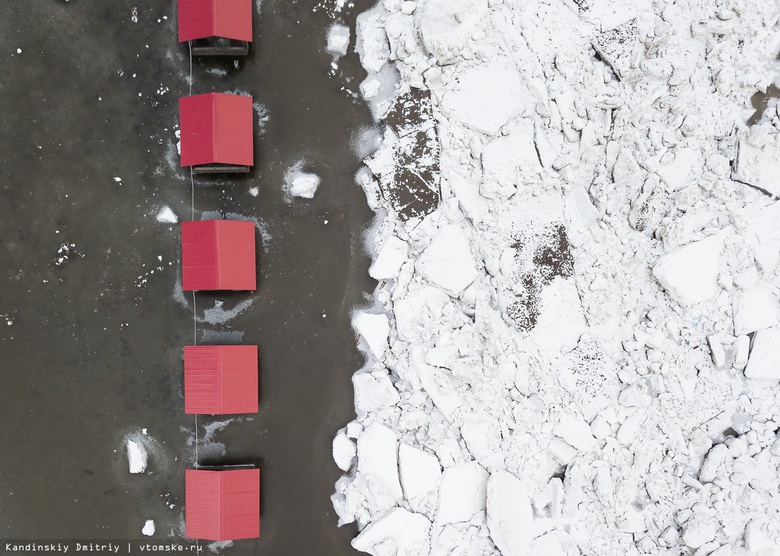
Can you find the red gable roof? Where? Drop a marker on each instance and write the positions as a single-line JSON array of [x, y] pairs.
[[216, 128], [222, 505], [220, 380], [218, 255], [230, 19]]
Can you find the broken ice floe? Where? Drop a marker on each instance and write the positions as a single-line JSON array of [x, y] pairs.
[[758, 160], [298, 183], [166, 215], [619, 47], [136, 456], [148, 528], [338, 40], [690, 273]]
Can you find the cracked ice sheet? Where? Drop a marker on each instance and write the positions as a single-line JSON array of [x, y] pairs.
[[640, 376]]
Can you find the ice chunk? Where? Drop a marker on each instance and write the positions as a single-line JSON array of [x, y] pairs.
[[371, 40], [446, 26], [462, 493], [717, 351], [758, 161], [448, 262], [690, 273], [482, 434], [377, 450], [754, 309], [618, 46], [338, 40], [741, 351], [763, 235], [167, 216], [374, 329], [510, 518], [575, 431], [304, 185], [420, 471], [344, 450], [373, 390], [761, 537], [397, 532], [580, 208], [440, 387], [561, 321], [136, 456], [418, 310], [712, 462], [509, 160], [677, 170], [392, 255], [486, 96], [148, 528], [699, 530], [764, 361]]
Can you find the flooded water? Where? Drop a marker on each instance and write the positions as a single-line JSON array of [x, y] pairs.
[[91, 333]]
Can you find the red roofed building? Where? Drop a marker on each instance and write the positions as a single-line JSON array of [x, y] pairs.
[[218, 255], [230, 19], [216, 129], [220, 380], [222, 505]]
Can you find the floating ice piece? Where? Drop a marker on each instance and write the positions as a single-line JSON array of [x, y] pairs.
[[374, 329], [446, 26], [764, 361], [717, 455], [758, 160], [419, 309], [487, 96], [677, 170], [338, 40], [462, 494], [393, 254], [167, 216], [440, 387], [371, 40], [618, 47], [420, 471], [136, 456], [304, 185], [148, 528], [575, 431], [699, 530], [510, 518], [509, 160], [763, 234], [377, 450], [373, 390], [755, 309], [447, 262], [397, 532], [344, 450], [741, 352], [690, 272], [717, 351], [580, 209]]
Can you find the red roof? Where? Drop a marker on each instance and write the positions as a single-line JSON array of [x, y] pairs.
[[230, 19], [220, 380], [222, 505], [218, 255], [216, 128]]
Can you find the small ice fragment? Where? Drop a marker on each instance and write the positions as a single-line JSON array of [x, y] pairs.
[[136, 457], [407, 532], [254, 191], [344, 450], [117, 179], [145, 431], [390, 259], [576, 432], [305, 185], [690, 273], [374, 329], [764, 355], [373, 390], [377, 450], [754, 309], [167, 215], [617, 46], [510, 517], [757, 162], [741, 351], [149, 528], [18, 50], [717, 351], [338, 40], [462, 493], [420, 471], [448, 262]]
